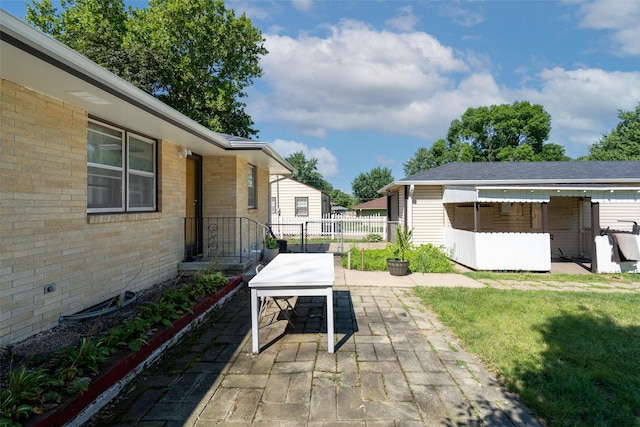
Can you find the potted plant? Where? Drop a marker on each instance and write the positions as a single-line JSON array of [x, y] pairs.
[[271, 248], [399, 265]]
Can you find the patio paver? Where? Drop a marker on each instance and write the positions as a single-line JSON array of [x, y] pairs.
[[394, 364]]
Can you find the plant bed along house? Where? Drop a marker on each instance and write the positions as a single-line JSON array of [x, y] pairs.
[[190, 304]]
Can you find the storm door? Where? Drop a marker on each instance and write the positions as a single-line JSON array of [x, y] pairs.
[[193, 211]]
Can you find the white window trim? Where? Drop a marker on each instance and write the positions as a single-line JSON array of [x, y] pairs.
[[124, 203], [253, 189], [296, 206]]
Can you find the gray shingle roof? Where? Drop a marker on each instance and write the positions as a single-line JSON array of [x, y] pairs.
[[511, 172]]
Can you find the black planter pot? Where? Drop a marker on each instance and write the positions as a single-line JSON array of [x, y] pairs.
[[397, 267]]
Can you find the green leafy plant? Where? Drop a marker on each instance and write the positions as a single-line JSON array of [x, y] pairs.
[[28, 388], [429, 259], [24, 390], [270, 242], [373, 237], [422, 259], [79, 385], [403, 244], [85, 356]]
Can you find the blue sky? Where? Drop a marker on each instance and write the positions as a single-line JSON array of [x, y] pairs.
[[361, 84]]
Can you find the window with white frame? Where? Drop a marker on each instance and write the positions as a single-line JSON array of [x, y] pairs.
[[251, 187], [121, 170], [274, 210], [302, 206]]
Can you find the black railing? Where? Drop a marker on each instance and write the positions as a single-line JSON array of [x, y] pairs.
[[223, 238]]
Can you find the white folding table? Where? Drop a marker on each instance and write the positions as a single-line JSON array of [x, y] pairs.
[[293, 275]]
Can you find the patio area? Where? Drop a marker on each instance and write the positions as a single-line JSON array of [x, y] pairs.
[[394, 364]]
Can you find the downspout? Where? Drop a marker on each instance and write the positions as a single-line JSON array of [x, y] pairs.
[[410, 207], [277, 182]]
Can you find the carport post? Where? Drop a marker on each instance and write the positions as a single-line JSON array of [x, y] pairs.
[[595, 231], [476, 216], [545, 217]]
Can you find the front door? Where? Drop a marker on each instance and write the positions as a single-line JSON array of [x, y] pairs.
[[193, 211]]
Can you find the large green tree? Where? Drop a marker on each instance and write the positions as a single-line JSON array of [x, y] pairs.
[[622, 143], [490, 130], [307, 171], [194, 55], [515, 132], [365, 186], [441, 152]]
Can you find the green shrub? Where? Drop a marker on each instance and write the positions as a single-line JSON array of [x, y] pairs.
[[422, 259], [28, 388], [429, 259], [373, 237]]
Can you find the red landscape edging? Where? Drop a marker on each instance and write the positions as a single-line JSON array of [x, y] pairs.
[[128, 362]]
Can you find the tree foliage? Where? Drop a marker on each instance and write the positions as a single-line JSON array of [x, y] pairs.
[[365, 186], [501, 127], [194, 55], [307, 171], [441, 152], [515, 132], [340, 198], [622, 143]]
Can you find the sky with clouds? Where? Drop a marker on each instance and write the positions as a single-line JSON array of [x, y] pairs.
[[365, 83], [361, 84]]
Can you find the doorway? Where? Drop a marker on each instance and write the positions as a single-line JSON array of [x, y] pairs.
[[193, 207]]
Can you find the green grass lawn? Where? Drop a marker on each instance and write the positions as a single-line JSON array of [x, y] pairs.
[[572, 357]]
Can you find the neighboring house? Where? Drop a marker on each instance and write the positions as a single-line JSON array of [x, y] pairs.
[[291, 198], [97, 180], [373, 207], [518, 216]]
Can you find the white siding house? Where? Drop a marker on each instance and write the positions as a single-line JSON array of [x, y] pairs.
[[520, 216], [290, 198]]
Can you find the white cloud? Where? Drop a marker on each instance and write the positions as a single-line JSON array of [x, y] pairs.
[[303, 5], [327, 161], [404, 21], [356, 78], [409, 84], [461, 16], [385, 161], [621, 18], [254, 10], [583, 103]]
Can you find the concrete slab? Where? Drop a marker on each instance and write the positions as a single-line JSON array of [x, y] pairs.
[[383, 278]]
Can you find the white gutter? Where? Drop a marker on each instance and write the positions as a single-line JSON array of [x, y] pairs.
[[48, 49], [501, 183], [277, 182]]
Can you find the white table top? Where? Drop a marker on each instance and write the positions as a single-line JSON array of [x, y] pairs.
[[296, 270]]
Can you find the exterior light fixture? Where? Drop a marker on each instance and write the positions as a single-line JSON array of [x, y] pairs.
[[184, 152]]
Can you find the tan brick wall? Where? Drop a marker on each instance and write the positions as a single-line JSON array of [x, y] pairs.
[[225, 189], [45, 233], [47, 237], [219, 186]]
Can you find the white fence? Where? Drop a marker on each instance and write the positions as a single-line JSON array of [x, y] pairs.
[[331, 226]]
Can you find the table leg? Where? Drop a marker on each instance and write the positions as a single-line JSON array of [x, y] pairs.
[[255, 308], [330, 327]]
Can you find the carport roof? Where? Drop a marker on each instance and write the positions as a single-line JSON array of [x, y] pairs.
[[501, 173]]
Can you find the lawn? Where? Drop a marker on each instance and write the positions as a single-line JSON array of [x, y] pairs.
[[572, 357]]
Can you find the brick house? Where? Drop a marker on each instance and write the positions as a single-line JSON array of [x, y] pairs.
[[98, 181]]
